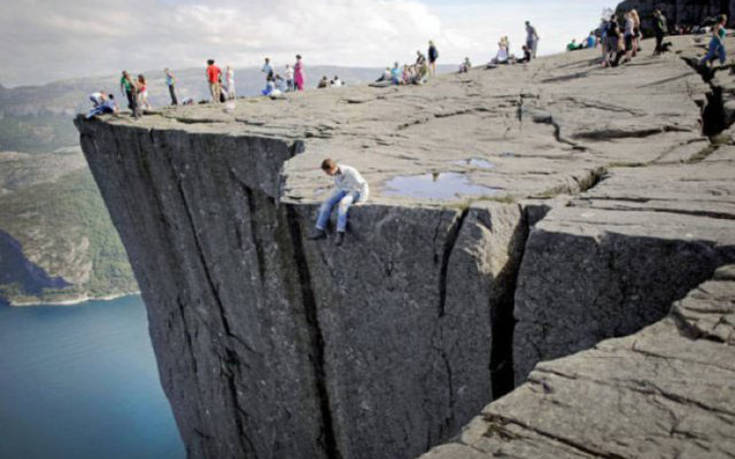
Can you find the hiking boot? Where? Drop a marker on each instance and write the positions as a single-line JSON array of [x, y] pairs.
[[317, 234], [339, 239]]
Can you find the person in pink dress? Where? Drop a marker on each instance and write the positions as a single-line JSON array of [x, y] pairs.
[[299, 76]]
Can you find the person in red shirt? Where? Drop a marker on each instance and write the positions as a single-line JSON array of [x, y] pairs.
[[213, 78]]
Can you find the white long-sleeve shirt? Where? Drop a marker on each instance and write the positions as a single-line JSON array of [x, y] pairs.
[[348, 179]]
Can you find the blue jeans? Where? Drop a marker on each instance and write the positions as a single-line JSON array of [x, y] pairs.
[[716, 50], [345, 200]]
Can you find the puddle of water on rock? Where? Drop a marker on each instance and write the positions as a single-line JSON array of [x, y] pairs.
[[445, 185], [475, 162]]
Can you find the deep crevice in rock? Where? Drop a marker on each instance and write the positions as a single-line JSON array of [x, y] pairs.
[[501, 314], [447, 252], [317, 339], [714, 118]]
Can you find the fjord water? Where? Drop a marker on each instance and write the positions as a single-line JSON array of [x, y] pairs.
[[82, 382]]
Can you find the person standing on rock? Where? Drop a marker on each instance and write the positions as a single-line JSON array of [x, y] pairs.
[[717, 43], [267, 69], [142, 86], [299, 76], [213, 78], [433, 56], [127, 87], [660, 28], [350, 188], [230, 78], [531, 39], [289, 78], [171, 83]]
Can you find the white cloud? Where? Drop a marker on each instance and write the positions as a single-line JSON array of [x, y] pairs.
[[46, 40]]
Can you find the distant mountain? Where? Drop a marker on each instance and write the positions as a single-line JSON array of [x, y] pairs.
[[57, 243]]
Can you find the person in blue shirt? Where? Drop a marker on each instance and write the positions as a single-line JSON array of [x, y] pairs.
[[267, 69], [171, 82], [396, 74], [591, 40]]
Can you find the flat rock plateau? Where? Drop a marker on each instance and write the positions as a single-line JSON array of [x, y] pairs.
[[543, 260]]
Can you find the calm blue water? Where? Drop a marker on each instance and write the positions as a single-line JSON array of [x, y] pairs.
[[82, 382]]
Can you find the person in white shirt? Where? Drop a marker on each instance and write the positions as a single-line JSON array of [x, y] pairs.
[[230, 77], [98, 98], [289, 77], [350, 188]]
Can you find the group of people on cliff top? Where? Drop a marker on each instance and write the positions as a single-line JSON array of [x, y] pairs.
[[415, 73], [620, 42], [503, 56], [293, 78]]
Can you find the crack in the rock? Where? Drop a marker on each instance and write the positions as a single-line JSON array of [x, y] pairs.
[[692, 213], [250, 198], [566, 441], [644, 387], [502, 320], [246, 444], [207, 274], [328, 439], [714, 119], [613, 134], [548, 118], [449, 242]]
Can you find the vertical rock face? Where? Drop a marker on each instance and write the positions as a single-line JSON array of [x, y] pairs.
[[270, 345]]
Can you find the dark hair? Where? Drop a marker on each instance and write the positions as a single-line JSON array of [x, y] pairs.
[[328, 164], [298, 56], [210, 61], [111, 96]]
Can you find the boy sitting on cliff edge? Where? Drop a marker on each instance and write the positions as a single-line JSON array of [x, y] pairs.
[[350, 188]]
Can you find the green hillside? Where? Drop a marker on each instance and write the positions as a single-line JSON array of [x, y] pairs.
[[64, 229]]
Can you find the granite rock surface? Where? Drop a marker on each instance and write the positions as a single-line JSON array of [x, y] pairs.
[[665, 391], [577, 201]]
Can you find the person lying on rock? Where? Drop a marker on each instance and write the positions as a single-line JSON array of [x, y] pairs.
[[350, 188]]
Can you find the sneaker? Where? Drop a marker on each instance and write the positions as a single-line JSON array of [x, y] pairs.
[[317, 234], [339, 239]]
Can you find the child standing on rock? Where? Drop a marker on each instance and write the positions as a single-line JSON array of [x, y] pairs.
[[350, 188]]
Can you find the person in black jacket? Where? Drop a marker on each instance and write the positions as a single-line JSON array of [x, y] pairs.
[[433, 56], [659, 28]]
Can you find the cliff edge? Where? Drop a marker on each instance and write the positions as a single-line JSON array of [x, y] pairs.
[[517, 215]]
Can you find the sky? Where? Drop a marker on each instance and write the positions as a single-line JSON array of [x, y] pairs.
[[48, 40]]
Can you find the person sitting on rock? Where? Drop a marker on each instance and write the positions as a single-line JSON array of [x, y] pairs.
[[396, 74], [107, 105], [502, 55], [97, 98], [591, 41], [350, 188], [465, 66]]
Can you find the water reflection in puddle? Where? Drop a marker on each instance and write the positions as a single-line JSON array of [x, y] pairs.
[[475, 162], [446, 185]]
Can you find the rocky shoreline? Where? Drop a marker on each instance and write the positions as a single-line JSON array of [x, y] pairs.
[[69, 302]]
